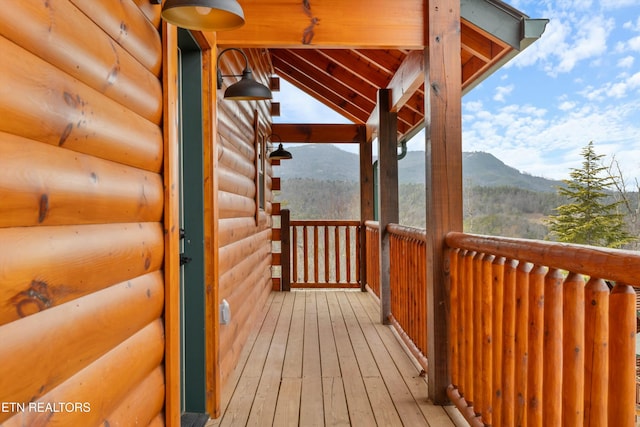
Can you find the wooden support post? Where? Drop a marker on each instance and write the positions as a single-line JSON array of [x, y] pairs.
[[387, 194], [285, 251], [443, 176], [366, 201]]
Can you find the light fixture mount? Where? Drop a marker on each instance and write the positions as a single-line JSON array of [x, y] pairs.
[[247, 88]]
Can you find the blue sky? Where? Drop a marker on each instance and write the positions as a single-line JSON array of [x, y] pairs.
[[580, 82]]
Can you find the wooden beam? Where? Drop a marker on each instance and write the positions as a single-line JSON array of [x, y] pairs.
[[443, 178], [330, 23], [318, 133], [366, 201], [407, 80], [387, 194]]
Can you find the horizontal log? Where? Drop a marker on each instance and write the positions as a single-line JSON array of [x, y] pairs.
[[63, 36], [41, 351], [129, 27], [232, 182], [364, 24], [240, 163], [319, 133], [44, 185], [234, 336], [412, 233], [142, 404], [230, 279], [151, 10], [233, 254], [232, 205], [45, 104], [604, 263], [234, 229], [104, 383], [323, 223], [42, 267]]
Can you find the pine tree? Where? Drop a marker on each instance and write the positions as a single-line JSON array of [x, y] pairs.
[[589, 219]]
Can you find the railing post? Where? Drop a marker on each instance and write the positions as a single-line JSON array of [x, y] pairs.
[[443, 159], [285, 249], [388, 194]]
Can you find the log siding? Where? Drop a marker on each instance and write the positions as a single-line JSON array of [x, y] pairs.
[[82, 288]]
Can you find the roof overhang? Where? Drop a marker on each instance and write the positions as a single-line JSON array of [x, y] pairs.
[[341, 53]]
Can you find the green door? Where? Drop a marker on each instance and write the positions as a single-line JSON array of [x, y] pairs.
[[192, 229]]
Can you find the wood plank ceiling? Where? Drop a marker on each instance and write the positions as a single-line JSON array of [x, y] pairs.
[[347, 80]]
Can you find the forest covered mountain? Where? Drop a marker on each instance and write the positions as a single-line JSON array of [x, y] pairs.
[[321, 182]]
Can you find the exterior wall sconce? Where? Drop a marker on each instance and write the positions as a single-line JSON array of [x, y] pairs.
[[280, 153], [246, 89], [203, 15]]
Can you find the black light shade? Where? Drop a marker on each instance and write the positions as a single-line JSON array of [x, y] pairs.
[[204, 15], [280, 154], [246, 89]]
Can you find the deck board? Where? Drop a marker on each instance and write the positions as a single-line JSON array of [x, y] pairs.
[[322, 358]]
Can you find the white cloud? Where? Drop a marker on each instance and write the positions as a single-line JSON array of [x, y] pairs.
[[634, 44], [502, 92], [566, 105], [626, 62]]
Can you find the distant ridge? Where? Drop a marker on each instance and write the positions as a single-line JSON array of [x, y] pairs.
[[326, 162]]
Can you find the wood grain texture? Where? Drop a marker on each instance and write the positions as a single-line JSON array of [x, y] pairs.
[[126, 23], [63, 36], [43, 267], [127, 366], [45, 185], [88, 328], [68, 113]]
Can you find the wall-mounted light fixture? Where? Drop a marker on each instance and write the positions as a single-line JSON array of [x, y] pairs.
[[246, 89], [280, 153], [203, 15]]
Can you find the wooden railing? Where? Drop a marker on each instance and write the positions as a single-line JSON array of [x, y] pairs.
[[532, 343], [408, 282], [325, 254], [408, 271], [372, 245]]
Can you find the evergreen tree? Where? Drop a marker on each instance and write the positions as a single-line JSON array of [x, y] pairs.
[[588, 218]]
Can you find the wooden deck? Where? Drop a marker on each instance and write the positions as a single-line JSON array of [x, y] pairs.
[[322, 358]]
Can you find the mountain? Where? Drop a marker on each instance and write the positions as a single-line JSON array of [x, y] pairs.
[[326, 162]]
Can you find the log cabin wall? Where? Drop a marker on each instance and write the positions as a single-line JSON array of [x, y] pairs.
[[81, 211], [244, 227]]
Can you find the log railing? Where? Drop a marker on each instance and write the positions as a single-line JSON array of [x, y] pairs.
[[408, 286], [325, 254], [531, 343], [408, 282], [372, 246]]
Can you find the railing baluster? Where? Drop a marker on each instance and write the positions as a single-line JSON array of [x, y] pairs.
[[522, 341], [468, 308], [498, 320], [535, 346], [552, 348], [573, 351], [486, 327], [316, 254], [462, 322], [478, 403], [327, 261], [347, 250], [622, 309], [596, 359], [294, 246], [336, 249], [305, 251], [509, 344], [454, 317]]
